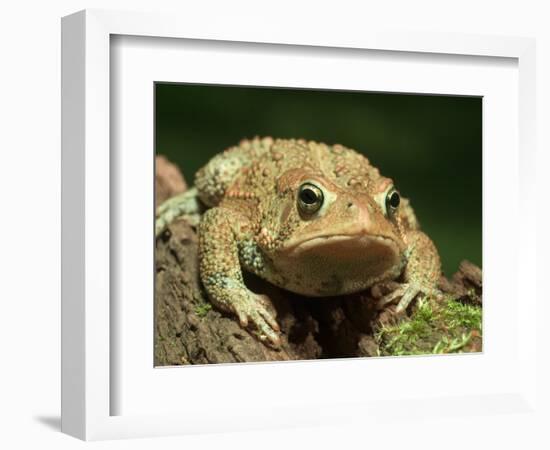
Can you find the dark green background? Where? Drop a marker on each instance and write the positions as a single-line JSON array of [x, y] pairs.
[[429, 145]]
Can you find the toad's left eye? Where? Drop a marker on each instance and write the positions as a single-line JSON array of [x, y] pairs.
[[392, 201]]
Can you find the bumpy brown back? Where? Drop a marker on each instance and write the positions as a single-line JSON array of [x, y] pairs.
[[213, 179]]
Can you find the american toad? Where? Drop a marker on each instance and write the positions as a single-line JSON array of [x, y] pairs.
[[315, 219]]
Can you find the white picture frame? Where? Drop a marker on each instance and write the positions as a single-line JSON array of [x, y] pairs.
[[89, 385]]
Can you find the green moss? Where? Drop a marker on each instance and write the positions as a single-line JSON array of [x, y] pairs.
[[447, 345], [202, 309], [445, 326], [457, 315]]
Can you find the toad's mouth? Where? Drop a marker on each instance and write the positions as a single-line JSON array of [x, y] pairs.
[[323, 265], [346, 247]]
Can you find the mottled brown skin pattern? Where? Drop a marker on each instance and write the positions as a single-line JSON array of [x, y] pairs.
[[350, 238]]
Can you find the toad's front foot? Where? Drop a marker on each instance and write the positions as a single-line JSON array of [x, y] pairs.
[[254, 312], [406, 293]]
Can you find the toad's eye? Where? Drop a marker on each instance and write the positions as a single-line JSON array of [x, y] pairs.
[[310, 198], [392, 201]]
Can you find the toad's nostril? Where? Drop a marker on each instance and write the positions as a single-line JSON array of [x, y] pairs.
[[350, 204]]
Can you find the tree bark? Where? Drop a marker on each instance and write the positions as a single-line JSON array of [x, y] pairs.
[[188, 330]]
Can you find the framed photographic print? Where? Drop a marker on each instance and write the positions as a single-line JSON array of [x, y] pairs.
[[258, 224], [316, 220]]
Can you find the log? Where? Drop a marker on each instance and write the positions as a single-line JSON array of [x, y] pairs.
[[189, 330], [169, 180]]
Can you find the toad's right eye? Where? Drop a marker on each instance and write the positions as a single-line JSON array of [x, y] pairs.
[[310, 198]]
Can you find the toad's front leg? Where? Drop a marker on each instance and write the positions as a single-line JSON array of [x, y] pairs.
[[221, 275], [421, 273]]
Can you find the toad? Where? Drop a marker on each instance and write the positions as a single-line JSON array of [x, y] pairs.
[[315, 219]]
